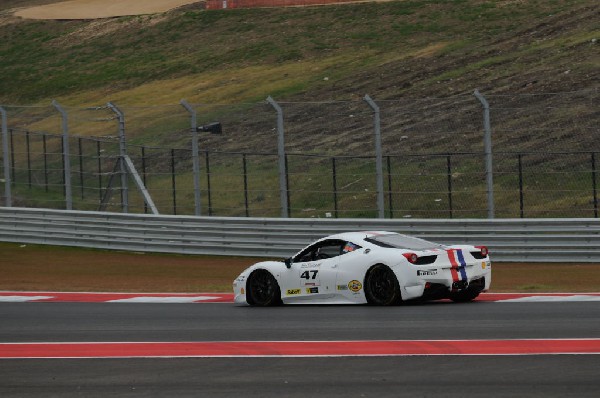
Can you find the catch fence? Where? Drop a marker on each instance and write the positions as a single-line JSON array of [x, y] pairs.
[[317, 159]]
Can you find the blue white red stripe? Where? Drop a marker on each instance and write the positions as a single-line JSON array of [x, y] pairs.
[[456, 267], [462, 269]]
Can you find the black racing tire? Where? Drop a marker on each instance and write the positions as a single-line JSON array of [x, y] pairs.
[[464, 296], [262, 289], [381, 286]]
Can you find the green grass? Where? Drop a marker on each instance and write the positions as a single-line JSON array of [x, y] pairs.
[[43, 59]]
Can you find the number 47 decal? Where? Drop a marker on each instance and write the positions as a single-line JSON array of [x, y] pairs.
[[307, 274]]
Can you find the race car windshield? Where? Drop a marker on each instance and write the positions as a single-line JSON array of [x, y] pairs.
[[397, 241]]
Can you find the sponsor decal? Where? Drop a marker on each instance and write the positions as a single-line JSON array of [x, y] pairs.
[[342, 287], [242, 291], [293, 292], [483, 265], [309, 278], [311, 290], [309, 284], [355, 286], [430, 272], [312, 274], [311, 265]]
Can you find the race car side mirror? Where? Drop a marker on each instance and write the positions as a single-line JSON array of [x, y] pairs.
[[288, 262]]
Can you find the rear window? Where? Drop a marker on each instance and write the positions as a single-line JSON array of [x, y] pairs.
[[397, 241]]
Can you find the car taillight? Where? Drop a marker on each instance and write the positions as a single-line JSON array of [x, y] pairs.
[[484, 250], [411, 257]]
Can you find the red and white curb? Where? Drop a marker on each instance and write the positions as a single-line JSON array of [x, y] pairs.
[[358, 348], [537, 297], [74, 297]]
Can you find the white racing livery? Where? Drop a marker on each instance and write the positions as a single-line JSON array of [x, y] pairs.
[[378, 268]]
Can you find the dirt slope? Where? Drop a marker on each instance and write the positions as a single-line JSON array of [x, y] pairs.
[[92, 9]]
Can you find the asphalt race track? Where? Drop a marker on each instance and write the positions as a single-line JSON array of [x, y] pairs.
[[560, 375]]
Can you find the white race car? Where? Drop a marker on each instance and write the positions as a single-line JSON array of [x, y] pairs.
[[379, 268]]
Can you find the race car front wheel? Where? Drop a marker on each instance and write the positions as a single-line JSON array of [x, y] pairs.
[[381, 286], [262, 289]]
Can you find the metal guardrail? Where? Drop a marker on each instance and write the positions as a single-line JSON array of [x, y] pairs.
[[534, 240]]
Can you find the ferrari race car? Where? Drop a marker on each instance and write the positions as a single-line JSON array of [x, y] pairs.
[[378, 268]]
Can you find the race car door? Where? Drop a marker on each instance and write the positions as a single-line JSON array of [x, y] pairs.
[[312, 274]]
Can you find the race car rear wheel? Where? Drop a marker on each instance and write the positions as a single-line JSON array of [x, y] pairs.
[[381, 286], [262, 289]]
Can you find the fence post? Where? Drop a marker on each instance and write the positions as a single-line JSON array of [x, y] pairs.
[[12, 156], [378, 156], [28, 151], [122, 154], [143, 150], [173, 182], [208, 183], [245, 169], [390, 195], [521, 203], [6, 159], [195, 157], [487, 142], [80, 147], [283, 186], [66, 155], [390, 190], [449, 179], [287, 184], [335, 200], [98, 152], [594, 189], [45, 148]]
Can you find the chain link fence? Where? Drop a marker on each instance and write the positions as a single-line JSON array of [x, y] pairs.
[[433, 162]]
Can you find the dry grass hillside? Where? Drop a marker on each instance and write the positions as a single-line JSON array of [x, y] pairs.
[[397, 50], [537, 62]]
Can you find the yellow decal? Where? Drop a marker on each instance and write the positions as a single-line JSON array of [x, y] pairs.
[[292, 292], [242, 291], [355, 286], [483, 265]]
